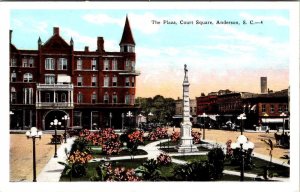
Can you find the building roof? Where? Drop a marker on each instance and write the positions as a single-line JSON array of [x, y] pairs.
[[127, 37]]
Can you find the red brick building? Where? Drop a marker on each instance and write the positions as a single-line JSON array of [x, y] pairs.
[[94, 88]]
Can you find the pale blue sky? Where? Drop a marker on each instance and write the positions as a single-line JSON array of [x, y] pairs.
[[218, 56]]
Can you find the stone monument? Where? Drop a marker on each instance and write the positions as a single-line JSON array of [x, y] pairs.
[[186, 139]]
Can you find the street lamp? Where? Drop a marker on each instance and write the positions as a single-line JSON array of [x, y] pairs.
[[204, 115], [122, 115], [55, 123], [140, 119], [65, 119], [34, 133], [244, 147], [129, 115], [242, 117], [149, 115], [110, 116], [283, 115]]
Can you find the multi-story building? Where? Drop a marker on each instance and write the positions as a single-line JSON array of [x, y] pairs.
[[177, 118], [94, 88], [269, 109]]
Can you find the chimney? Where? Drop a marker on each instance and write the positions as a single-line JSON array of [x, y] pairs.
[[55, 30], [86, 49], [10, 34], [100, 44]]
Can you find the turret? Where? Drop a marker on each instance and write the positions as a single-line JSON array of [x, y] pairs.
[[127, 43]]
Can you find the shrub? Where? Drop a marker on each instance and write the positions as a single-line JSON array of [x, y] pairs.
[[164, 159], [194, 171], [175, 137], [149, 171], [196, 137], [216, 160]]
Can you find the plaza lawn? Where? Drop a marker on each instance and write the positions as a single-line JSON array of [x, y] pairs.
[[191, 158], [258, 168]]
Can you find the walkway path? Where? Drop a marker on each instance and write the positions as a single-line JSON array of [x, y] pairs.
[[52, 171]]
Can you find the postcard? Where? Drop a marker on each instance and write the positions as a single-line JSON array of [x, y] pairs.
[[198, 95]]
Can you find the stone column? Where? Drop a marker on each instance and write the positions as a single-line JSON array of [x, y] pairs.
[[186, 139]]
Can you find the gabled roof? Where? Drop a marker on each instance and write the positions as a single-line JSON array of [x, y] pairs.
[[127, 37], [56, 42]]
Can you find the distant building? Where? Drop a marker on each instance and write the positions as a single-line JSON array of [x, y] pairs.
[[93, 88], [260, 109], [263, 85], [177, 118]]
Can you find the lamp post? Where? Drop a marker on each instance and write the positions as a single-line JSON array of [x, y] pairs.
[[122, 115], [149, 115], [244, 147], [34, 133], [242, 117], [129, 115], [204, 115], [110, 116], [55, 123], [65, 119], [140, 119], [283, 115]]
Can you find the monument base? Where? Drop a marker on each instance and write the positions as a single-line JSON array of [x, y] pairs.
[[187, 146]]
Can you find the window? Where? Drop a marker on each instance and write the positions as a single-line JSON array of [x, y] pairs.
[[25, 62], [47, 97], [286, 108], [62, 64], [115, 64], [77, 118], [114, 81], [31, 62], [132, 65], [106, 98], [13, 62], [13, 77], [272, 109], [79, 64], [13, 96], [49, 64], [56, 97], [63, 97], [127, 82], [79, 81], [132, 100], [106, 81], [280, 108], [79, 98], [94, 65], [263, 108], [115, 98], [94, 97], [94, 81], [27, 95], [50, 79], [27, 77], [132, 82], [127, 65], [106, 64], [127, 99]]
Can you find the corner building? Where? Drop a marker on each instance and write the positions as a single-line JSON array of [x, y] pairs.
[[94, 88]]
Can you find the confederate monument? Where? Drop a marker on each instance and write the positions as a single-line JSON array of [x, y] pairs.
[[186, 139]]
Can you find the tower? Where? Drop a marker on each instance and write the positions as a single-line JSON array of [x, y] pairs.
[[127, 43], [263, 85], [186, 139]]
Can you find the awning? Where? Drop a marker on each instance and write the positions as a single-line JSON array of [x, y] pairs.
[[272, 120]]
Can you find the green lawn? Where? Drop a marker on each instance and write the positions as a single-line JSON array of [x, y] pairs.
[[125, 152], [191, 158]]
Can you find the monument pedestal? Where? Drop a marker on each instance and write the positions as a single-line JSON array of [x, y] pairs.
[[186, 141]]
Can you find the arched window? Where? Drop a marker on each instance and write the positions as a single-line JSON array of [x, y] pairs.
[[115, 98], [27, 77], [63, 97], [94, 97]]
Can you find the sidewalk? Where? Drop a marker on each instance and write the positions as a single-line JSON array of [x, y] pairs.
[[52, 171]]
